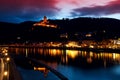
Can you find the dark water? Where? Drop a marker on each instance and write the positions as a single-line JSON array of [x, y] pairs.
[[73, 64]]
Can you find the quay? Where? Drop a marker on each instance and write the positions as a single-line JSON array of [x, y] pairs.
[[66, 48]]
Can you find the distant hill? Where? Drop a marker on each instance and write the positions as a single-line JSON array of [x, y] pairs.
[[88, 24], [10, 32], [76, 24]]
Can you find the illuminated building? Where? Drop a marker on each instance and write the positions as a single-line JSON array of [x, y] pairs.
[[116, 41], [65, 35], [45, 23], [88, 35], [72, 44]]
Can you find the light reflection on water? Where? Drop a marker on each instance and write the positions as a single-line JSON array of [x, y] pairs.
[[76, 64]]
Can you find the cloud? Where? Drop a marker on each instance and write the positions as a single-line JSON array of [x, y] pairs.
[[21, 10], [110, 8], [25, 3], [26, 9], [67, 7]]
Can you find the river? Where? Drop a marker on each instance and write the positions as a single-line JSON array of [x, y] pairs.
[[74, 64]]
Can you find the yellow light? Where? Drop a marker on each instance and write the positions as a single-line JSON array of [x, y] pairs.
[[45, 23], [88, 35], [40, 68], [116, 56], [91, 46], [6, 54], [8, 59], [89, 60], [54, 52], [5, 73], [3, 51], [72, 44], [72, 53], [91, 54]]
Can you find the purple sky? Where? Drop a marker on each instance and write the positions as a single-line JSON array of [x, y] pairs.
[[27, 10]]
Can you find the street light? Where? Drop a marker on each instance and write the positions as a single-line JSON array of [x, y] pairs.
[[6, 54], [5, 73], [8, 59]]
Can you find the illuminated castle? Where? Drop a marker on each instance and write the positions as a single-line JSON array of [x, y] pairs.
[[45, 23]]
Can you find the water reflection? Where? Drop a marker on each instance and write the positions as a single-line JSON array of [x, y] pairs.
[[71, 57], [42, 69], [75, 64], [26, 52], [72, 53]]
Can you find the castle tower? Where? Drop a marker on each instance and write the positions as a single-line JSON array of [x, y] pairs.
[[45, 19]]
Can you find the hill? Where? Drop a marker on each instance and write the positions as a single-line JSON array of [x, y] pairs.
[[100, 27]]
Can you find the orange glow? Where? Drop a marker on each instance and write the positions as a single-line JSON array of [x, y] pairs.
[[8, 59], [40, 50], [54, 52], [45, 23], [116, 56], [5, 73], [65, 59], [55, 44], [89, 60], [72, 53], [6, 54], [91, 46], [40, 68], [91, 54], [72, 44], [88, 35], [84, 53]]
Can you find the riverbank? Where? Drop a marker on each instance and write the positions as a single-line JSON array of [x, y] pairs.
[[65, 48]]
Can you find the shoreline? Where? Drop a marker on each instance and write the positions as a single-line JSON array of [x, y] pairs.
[[66, 48]]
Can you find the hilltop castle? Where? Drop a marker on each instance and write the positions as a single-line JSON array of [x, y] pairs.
[[45, 23]]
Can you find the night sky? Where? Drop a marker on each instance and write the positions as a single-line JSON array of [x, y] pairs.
[[33, 10]]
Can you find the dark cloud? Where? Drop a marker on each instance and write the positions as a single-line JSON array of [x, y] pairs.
[[25, 3], [21, 10], [36, 13], [110, 8]]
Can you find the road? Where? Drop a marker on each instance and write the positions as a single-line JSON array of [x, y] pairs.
[[4, 65], [8, 70], [4, 69], [1, 69]]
